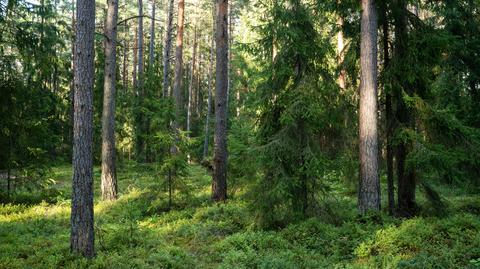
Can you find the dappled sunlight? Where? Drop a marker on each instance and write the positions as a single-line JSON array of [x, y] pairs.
[[137, 231]]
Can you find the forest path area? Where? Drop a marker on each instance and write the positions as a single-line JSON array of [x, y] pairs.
[[137, 231]]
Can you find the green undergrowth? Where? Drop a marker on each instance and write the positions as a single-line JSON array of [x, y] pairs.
[[137, 231]]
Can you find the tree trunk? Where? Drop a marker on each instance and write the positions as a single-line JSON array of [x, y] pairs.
[[109, 172], [230, 39], [135, 61], [151, 45], [167, 49], [82, 232], [125, 61], [72, 84], [192, 81], [369, 190], [219, 183], [140, 67], [177, 87], [341, 54], [389, 114], [209, 100], [140, 142], [406, 205]]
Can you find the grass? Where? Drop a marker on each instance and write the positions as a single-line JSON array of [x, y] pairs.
[[137, 231]]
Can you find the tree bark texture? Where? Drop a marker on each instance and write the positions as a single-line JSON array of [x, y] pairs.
[[82, 231], [219, 183], [125, 60], [167, 49], [209, 88], [192, 81], [178, 77], [135, 61], [140, 90], [109, 172], [369, 190], [151, 44]]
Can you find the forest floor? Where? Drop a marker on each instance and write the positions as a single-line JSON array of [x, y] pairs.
[[137, 232]]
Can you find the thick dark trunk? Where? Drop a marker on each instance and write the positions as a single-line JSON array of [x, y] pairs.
[[406, 205], [219, 183], [82, 232], [389, 114], [109, 172], [369, 190]]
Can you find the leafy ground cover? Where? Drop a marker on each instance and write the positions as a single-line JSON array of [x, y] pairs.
[[138, 231]]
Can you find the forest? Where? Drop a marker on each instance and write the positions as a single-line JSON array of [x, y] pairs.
[[239, 134]]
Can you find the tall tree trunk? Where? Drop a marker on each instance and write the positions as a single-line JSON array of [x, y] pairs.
[[167, 49], [135, 61], [369, 190], [198, 81], [406, 205], [151, 45], [72, 84], [209, 86], [109, 172], [341, 54], [219, 183], [230, 41], [192, 81], [82, 232], [125, 60], [389, 113], [177, 87], [140, 68], [140, 90]]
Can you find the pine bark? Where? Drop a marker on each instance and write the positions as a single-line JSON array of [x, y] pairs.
[[82, 231], [177, 87], [192, 81], [209, 100], [369, 190], [151, 45], [72, 84], [219, 183], [125, 60], [135, 61], [140, 128], [167, 49], [109, 172]]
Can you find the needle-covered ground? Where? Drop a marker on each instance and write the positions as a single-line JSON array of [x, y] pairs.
[[138, 232]]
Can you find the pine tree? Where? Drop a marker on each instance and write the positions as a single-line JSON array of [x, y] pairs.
[[82, 232], [219, 183], [369, 190], [109, 173]]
